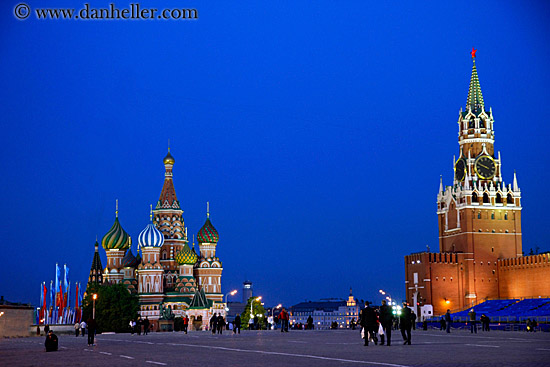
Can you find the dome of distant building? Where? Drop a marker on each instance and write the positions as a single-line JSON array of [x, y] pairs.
[[150, 237], [116, 238], [208, 233], [186, 256], [129, 260]]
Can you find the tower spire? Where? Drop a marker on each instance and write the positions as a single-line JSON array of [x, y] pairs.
[[475, 97], [116, 210], [515, 184], [207, 209], [151, 213], [440, 183]]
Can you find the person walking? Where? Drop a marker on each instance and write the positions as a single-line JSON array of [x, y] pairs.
[[185, 323], [237, 324], [448, 321], [283, 316], [132, 325], [413, 319], [472, 316], [146, 325], [220, 323], [386, 320], [486, 322], [77, 329], [310, 323], [83, 327], [367, 319], [405, 323], [139, 322], [214, 323], [91, 331]]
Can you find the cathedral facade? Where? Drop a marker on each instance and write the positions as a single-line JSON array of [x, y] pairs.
[[480, 241], [169, 276]]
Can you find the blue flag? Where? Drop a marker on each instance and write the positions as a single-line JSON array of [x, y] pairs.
[[66, 280], [41, 294], [51, 293], [57, 277]]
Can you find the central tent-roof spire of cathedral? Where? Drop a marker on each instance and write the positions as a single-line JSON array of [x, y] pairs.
[[475, 98], [168, 199]]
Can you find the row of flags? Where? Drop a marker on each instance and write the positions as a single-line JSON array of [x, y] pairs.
[[59, 310]]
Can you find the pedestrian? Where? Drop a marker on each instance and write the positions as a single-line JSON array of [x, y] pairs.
[[139, 322], [77, 329], [367, 319], [185, 323], [386, 320], [442, 323], [405, 324], [146, 325], [487, 322], [220, 324], [283, 316], [132, 326], [448, 320], [237, 324], [83, 327], [352, 323], [214, 323], [413, 319], [51, 342], [92, 326], [472, 316], [250, 323], [310, 323]]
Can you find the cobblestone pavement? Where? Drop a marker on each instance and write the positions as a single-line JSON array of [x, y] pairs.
[[273, 348]]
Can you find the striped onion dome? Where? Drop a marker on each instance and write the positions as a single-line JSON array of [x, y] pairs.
[[186, 256], [208, 233], [116, 238], [150, 237], [129, 260]]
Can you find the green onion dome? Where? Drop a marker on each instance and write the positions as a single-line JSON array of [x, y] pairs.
[[186, 256], [116, 238], [208, 233]]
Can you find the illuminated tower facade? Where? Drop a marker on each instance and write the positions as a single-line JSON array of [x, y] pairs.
[[150, 271], [208, 269], [115, 242], [168, 218]]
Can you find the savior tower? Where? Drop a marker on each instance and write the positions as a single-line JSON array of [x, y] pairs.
[[479, 216]]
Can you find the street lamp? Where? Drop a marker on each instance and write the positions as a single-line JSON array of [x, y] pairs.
[[94, 297], [251, 303], [273, 309], [227, 294], [389, 297]]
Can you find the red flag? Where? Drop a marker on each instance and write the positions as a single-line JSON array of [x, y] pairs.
[[45, 290], [76, 297]]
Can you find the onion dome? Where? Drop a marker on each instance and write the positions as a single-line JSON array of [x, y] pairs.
[[150, 237], [208, 233], [186, 256], [129, 260], [169, 159], [116, 238]]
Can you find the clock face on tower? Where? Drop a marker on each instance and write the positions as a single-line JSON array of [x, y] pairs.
[[460, 170], [485, 167]]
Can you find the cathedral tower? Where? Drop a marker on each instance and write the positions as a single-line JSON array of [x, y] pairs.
[[168, 218], [150, 271], [96, 272], [208, 269], [479, 215], [115, 242]]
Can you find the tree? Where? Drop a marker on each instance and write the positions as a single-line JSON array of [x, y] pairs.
[[114, 307], [257, 309]]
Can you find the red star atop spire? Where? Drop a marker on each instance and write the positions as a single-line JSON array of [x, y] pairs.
[[473, 53]]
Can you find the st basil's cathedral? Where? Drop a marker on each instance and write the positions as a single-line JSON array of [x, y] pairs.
[[168, 274]]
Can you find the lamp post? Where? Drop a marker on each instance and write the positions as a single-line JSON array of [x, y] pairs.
[[251, 303], [277, 307], [389, 297], [93, 312], [227, 294]]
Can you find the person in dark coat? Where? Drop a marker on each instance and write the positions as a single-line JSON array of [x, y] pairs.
[[214, 323], [138, 325], [472, 317], [405, 323], [51, 342], [237, 324], [220, 324], [369, 323], [146, 325], [448, 320], [386, 319], [92, 326], [310, 323]]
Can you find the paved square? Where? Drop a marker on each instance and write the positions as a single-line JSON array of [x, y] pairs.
[[273, 348]]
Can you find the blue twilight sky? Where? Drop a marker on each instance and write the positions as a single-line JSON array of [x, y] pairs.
[[317, 131]]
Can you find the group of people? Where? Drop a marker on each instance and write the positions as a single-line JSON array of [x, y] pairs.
[[52, 342], [217, 323], [80, 328], [136, 326], [380, 322]]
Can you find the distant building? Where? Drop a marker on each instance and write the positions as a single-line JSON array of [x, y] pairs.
[[15, 319], [325, 312]]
